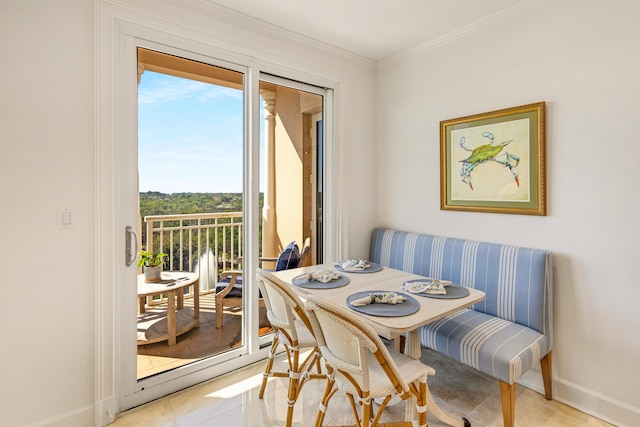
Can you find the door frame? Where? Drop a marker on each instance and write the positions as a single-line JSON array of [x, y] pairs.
[[116, 161]]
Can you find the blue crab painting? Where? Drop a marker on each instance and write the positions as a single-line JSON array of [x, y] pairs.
[[487, 153]]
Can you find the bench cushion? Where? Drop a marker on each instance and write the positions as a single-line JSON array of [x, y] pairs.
[[497, 347], [236, 292]]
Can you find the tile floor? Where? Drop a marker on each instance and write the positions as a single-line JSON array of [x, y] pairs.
[[232, 400]]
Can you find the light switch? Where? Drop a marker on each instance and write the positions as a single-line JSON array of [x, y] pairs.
[[65, 219]]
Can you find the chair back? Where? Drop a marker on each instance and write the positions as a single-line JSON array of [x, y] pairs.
[[285, 310], [347, 344], [305, 252]]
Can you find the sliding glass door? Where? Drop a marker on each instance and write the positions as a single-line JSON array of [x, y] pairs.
[[216, 194]]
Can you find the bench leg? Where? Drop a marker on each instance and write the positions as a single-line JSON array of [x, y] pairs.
[[399, 343], [547, 376], [508, 395]]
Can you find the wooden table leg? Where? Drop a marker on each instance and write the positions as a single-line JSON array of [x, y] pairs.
[[414, 350], [180, 299], [171, 317]]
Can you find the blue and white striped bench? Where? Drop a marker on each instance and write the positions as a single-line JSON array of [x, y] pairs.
[[509, 331]]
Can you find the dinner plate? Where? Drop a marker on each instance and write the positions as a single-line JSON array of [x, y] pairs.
[[410, 306], [301, 281], [373, 268], [453, 291]]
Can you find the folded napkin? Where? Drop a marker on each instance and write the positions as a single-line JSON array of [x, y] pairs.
[[354, 264], [323, 276], [433, 287], [379, 298]]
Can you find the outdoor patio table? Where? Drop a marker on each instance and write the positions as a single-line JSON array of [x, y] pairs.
[[157, 324]]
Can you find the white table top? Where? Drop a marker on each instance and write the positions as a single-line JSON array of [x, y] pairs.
[[388, 279], [169, 281]]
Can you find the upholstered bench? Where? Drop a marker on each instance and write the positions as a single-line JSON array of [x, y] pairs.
[[509, 331]]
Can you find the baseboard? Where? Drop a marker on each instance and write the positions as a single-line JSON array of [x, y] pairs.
[[588, 401], [610, 410], [106, 410], [83, 416]]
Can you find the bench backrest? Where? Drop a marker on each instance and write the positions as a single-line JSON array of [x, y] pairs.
[[517, 281]]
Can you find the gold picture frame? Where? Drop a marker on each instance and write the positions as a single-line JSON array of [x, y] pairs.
[[494, 162]]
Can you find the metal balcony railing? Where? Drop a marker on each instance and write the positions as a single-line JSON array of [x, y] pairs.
[[206, 242]]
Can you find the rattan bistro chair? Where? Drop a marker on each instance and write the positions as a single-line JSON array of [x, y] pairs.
[[290, 323], [361, 366]]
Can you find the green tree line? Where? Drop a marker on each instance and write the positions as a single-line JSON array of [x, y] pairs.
[[156, 203]]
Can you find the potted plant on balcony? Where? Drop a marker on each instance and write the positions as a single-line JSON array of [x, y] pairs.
[[152, 263]]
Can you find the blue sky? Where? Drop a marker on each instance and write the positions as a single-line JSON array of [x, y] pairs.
[[190, 136]]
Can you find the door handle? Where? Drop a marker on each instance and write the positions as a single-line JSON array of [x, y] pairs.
[[130, 256]]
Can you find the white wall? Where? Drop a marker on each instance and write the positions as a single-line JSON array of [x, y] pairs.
[[46, 163], [578, 56], [581, 57], [48, 140]]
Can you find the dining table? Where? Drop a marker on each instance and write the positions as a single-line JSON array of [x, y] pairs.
[[389, 322]]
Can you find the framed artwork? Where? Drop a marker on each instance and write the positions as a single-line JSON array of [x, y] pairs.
[[494, 162]]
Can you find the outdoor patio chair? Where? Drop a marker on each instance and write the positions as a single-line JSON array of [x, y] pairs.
[[292, 329], [229, 287], [361, 366]]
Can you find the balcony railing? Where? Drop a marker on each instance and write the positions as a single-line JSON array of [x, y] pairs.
[[204, 242]]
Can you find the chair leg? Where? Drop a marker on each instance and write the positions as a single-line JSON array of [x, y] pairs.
[[366, 413], [219, 314], [294, 377], [422, 402], [324, 402], [291, 402], [267, 369], [508, 395], [547, 375]]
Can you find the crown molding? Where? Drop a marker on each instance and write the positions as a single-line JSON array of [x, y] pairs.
[[256, 26], [466, 30]]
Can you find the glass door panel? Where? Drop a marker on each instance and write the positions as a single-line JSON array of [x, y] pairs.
[[191, 175], [291, 177]]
